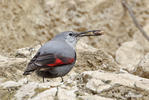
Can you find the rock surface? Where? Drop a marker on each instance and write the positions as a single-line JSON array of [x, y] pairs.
[[143, 68], [95, 97], [129, 55], [92, 82], [144, 64], [116, 84]]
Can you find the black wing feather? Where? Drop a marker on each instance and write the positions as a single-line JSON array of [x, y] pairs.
[[42, 60], [45, 60]]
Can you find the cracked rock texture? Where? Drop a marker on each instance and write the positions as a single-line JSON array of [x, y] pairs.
[[114, 66]]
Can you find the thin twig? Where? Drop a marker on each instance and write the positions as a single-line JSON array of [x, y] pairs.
[[134, 19]]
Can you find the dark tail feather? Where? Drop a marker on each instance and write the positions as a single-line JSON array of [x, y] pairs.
[[26, 73], [30, 68]]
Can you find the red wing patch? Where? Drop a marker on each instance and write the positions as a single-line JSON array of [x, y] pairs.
[[60, 62]]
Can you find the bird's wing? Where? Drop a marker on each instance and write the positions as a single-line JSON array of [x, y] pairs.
[[31, 65], [52, 60], [47, 61]]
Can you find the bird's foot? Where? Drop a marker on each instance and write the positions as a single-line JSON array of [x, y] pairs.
[[56, 92], [62, 80], [43, 79]]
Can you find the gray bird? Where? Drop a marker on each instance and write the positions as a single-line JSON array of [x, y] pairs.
[[58, 56]]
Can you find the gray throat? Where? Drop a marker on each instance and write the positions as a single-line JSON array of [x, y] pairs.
[[71, 44]]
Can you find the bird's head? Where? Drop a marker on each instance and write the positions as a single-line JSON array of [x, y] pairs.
[[72, 37]]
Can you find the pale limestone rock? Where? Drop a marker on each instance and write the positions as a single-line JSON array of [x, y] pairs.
[[129, 55], [12, 68], [145, 63], [130, 94], [26, 91], [97, 85], [144, 66], [10, 84], [7, 61], [124, 79], [23, 81], [93, 97], [64, 94], [3, 58], [46, 95], [50, 84], [24, 52], [27, 52], [50, 94], [43, 91], [1, 80]]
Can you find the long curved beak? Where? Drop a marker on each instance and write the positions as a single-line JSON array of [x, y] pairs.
[[93, 33]]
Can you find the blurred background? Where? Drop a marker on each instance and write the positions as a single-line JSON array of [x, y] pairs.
[[28, 22]]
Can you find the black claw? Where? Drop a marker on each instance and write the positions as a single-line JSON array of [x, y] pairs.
[[56, 92], [43, 79], [62, 79]]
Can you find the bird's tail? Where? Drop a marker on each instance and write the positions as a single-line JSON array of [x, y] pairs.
[[30, 68]]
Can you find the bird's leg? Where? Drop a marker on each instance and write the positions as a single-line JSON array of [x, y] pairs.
[[56, 92], [58, 86], [43, 79], [62, 79]]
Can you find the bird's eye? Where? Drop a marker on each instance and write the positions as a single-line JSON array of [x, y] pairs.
[[70, 34]]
